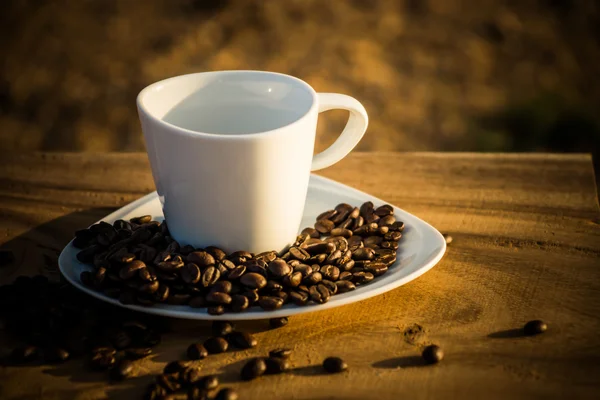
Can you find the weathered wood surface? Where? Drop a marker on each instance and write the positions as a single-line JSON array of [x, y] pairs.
[[526, 245]]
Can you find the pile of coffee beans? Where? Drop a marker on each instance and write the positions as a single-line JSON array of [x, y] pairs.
[[138, 262]]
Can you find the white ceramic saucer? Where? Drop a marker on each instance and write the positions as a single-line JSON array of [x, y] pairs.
[[421, 247]]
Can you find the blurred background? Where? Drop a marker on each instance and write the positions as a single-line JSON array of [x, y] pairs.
[[449, 75]]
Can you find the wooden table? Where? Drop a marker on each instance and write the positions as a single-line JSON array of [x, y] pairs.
[[526, 245]]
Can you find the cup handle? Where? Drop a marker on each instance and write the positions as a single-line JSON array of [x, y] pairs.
[[352, 133]]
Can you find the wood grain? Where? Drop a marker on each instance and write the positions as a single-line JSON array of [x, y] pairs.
[[526, 245]]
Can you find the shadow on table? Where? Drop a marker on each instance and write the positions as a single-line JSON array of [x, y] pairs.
[[401, 362], [507, 334]]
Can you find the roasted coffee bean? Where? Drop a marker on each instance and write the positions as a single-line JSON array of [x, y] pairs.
[[251, 295], [147, 274], [210, 276], [217, 253], [363, 230], [282, 295], [190, 273], [333, 256], [280, 353], [388, 220], [334, 365], [55, 355], [242, 340], [24, 354], [216, 345], [366, 208], [298, 253], [99, 276], [121, 340], [387, 260], [345, 276], [299, 298], [278, 322], [216, 310], [196, 351], [384, 210], [123, 370], [202, 259], [303, 288], [319, 294], [218, 298], [364, 253], [447, 238], [186, 250], [300, 239], [344, 286], [227, 394], [253, 369], [372, 241], [237, 272], [362, 277], [390, 245], [279, 268], [341, 232], [392, 236], [535, 327], [141, 220], [382, 230], [270, 303], [276, 365], [313, 279], [137, 353], [221, 328], [176, 366], [358, 222], [320, 248], [254, 280], [312, 232], [257, 266], [355, 242], [340, 243], [339, 217], [372, 218], [222, 287], [318, 259], [324, 226], [155, 392], [272, 287], [346, 224], [347, 266], [239, 303], [376, 268], [131, 269], [162, 293], [294, 263], [397, 226], [293, 279], [326, 215], [170, 382], [208, 383], [343, 207], [172, 265], [102, 360], [266, 256], [330, 272], [432, 354], [304, 269], [331, 286], [178, 299]]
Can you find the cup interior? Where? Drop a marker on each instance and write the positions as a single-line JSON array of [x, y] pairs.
[[228, 102]]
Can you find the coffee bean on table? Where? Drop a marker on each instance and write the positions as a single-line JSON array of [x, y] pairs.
[[209, 382], [102, 360], [216, 345], [535, 327], [281, 353], [123, 370], [253, 280], [196, 351], [221, 328], [432, 354], [324, 226], [176, 366], [270, 303], [227, 394], [334, 365], [276, 365], [278, 322], [253, 369], [191, 375], [169, 382], [242, 340], [137, 353], [56, 355], [24, 354]]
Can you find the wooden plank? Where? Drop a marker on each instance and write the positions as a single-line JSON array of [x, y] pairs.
[[526, 245]]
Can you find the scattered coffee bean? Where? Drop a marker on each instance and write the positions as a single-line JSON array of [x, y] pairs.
[[192, 375], [55, 355], [276, 365], [24, 354], [334, 365], [227, 394], [447, 238], [278, 322], [170, 382], [209, 382], [242, 340], [175, 367], [123, 370], [197, 351], [253, 369], [103, 360], [222, 328], [216, 345], [432, 354], [535, 327], [280, 353]]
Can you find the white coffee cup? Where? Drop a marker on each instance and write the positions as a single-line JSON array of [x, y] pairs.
[[231, 153]]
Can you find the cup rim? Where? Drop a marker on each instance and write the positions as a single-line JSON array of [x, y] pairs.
[[188, 132]]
